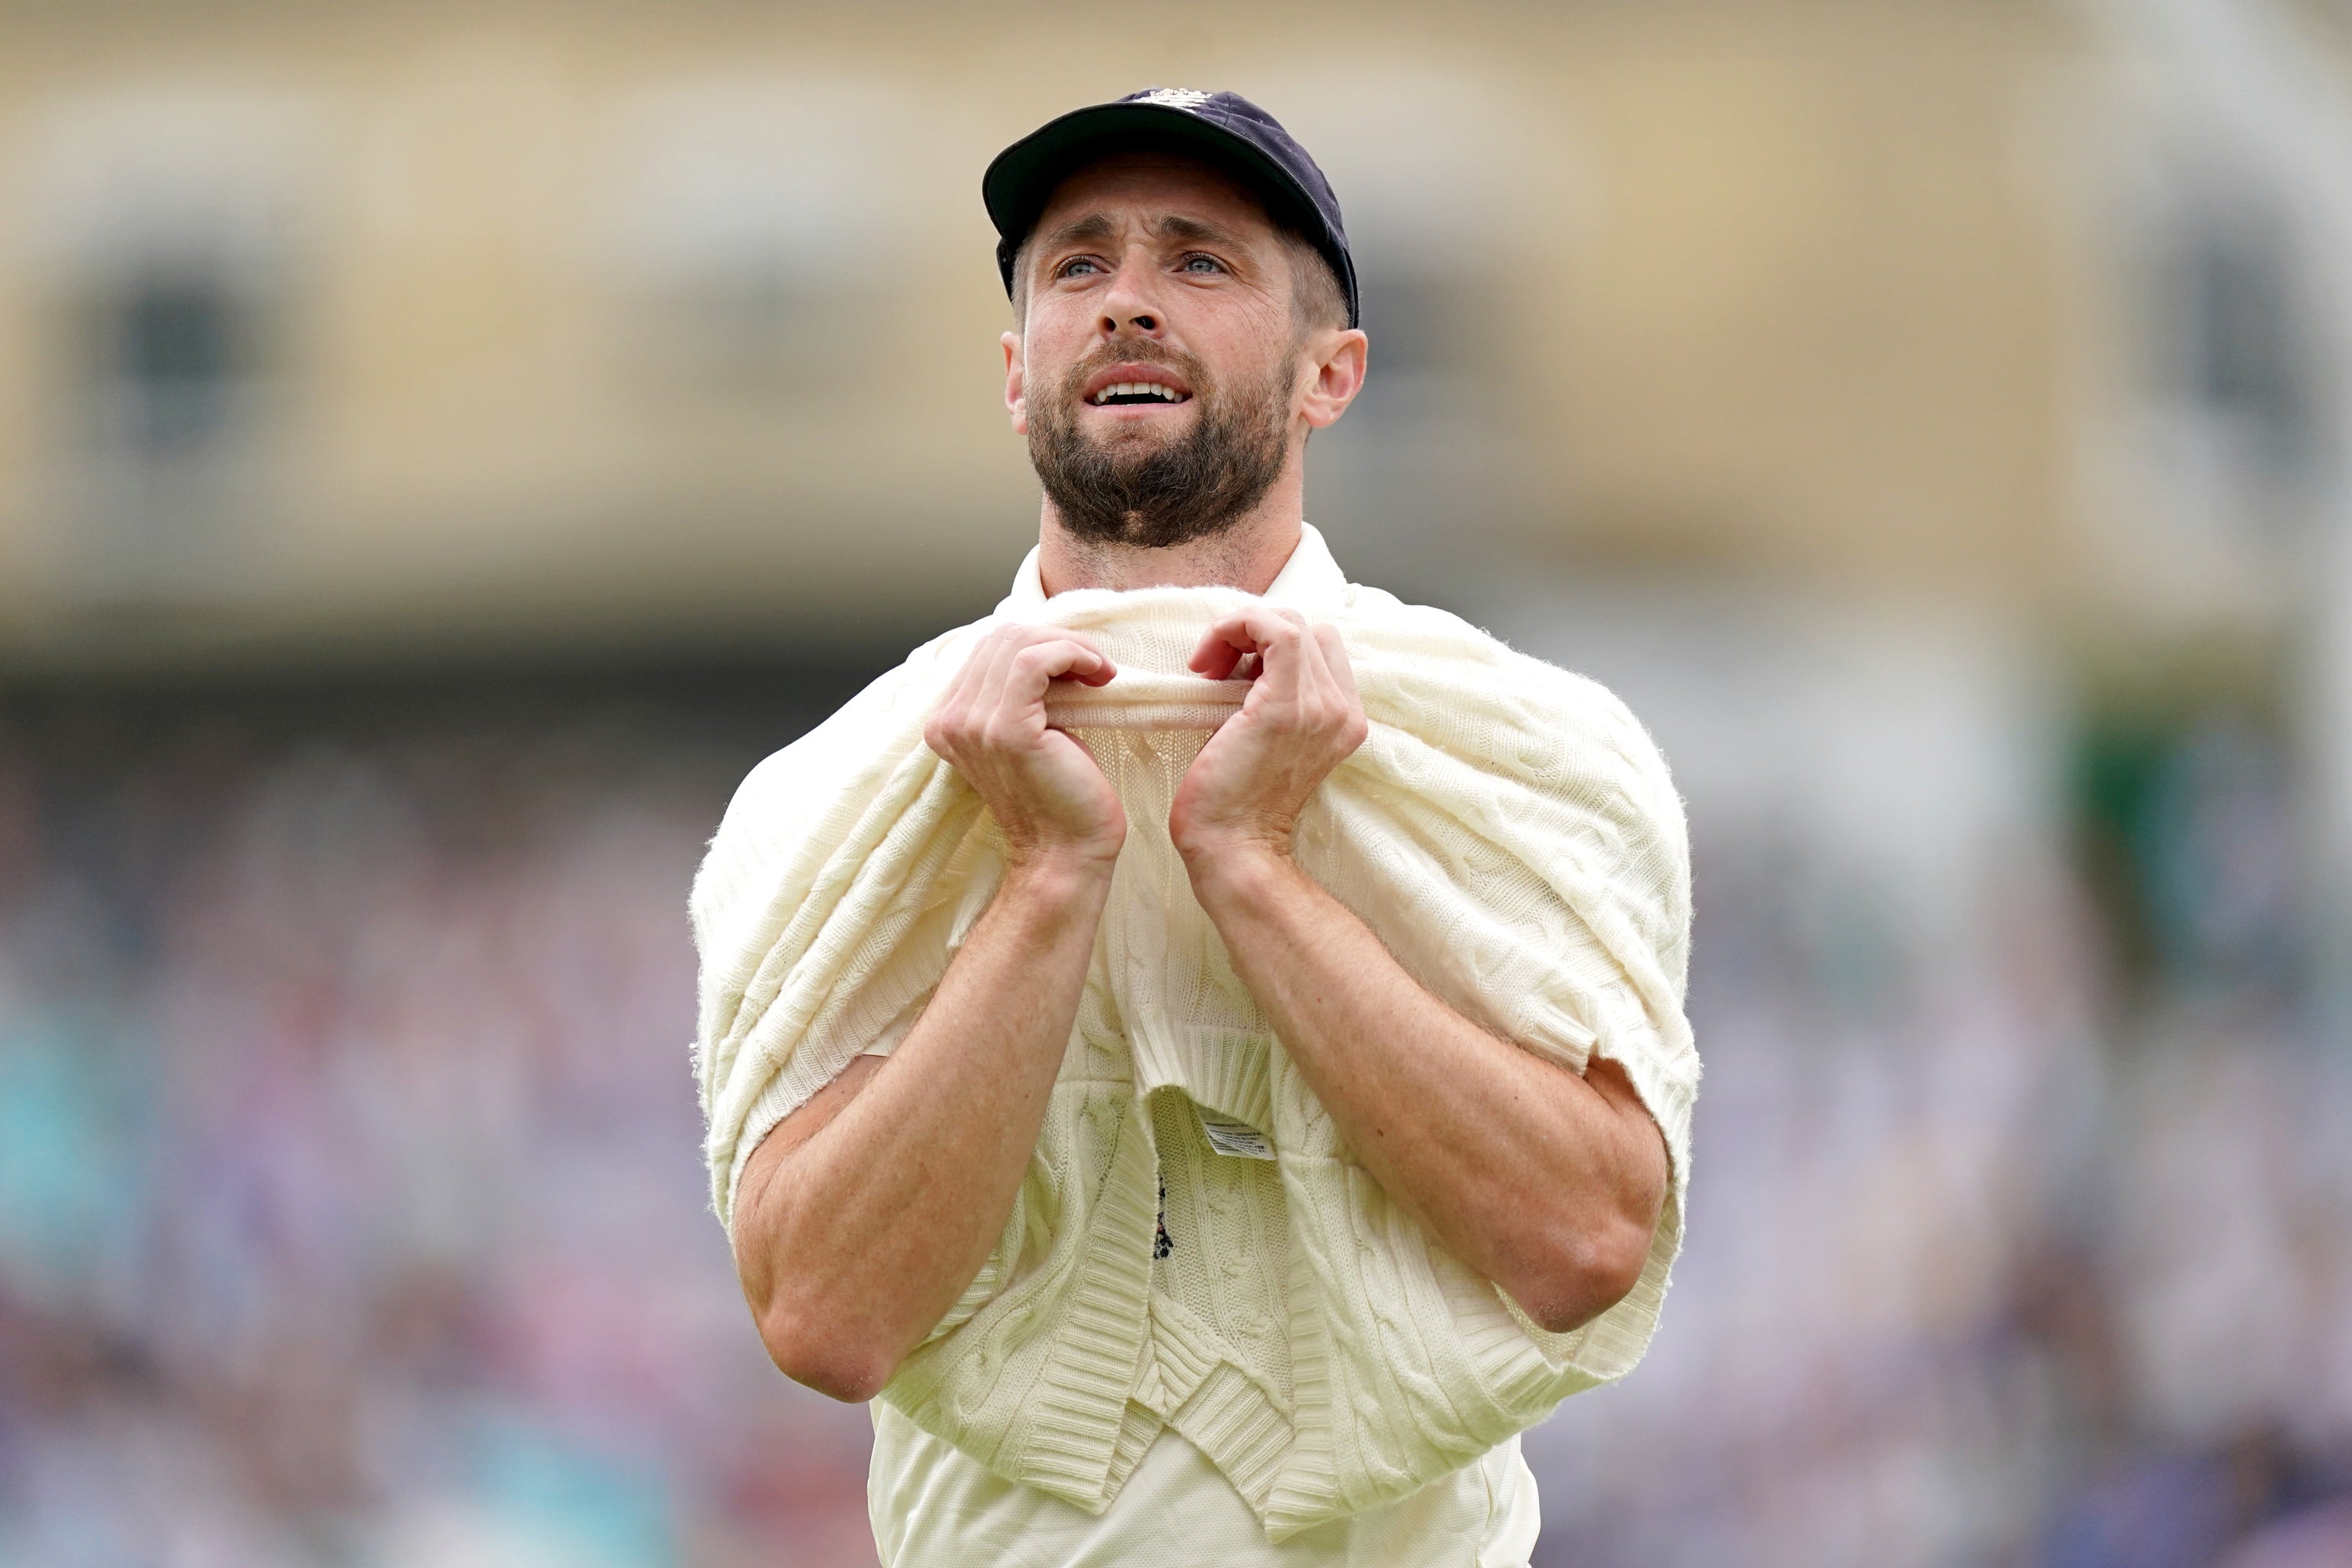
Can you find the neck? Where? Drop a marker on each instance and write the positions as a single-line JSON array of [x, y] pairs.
[[1247, 555]]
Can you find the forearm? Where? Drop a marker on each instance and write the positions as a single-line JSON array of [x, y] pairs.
[[1545, 1183], [855, 1240]]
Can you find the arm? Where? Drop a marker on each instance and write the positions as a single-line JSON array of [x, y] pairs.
[[1547, 1183], [863, 1215]]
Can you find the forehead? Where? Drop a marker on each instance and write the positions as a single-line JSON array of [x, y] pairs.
[[1144, 185]]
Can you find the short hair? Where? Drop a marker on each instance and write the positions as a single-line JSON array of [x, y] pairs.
[[1316, 296]]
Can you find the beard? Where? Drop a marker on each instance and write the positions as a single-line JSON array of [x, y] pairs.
[[1171, 491]]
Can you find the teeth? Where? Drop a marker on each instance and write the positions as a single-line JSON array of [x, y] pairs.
[[1138, 389]]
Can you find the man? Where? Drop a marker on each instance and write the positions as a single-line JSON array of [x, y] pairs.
[[1214, 1142]]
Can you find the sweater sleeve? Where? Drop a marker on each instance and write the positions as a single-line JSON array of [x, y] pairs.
[[1512, 833], [846, 870], [786, 1093], [1630, 954]]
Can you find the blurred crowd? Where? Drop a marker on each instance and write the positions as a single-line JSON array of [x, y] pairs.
[[1989, 1264], [350, 1208]]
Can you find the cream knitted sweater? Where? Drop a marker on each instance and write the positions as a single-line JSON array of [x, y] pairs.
[[1508, 831]]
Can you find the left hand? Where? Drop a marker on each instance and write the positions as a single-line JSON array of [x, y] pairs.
[[1301, 719]]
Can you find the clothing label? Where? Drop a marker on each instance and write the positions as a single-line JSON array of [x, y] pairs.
[[1237, 1138]]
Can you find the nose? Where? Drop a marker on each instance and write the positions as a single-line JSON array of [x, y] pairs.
[[1129, 308]]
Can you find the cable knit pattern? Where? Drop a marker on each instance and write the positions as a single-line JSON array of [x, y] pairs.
[[1507, 830]]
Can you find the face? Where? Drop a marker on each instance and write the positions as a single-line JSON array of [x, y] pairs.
[[1162, 377]]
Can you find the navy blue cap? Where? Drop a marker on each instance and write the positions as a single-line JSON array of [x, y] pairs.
[[1225, 128]]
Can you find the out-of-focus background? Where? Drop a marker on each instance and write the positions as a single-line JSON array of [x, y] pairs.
[[442, 447]]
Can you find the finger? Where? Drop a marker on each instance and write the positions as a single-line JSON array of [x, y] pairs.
[[1020, 705], [1272, 634], [1284, 654], [1094, 671], [987, 689], [948, 716], [1333, 648], [1100, 673], [1322, 700], [1221, 648], [1355, 726], [1242, 632], [1039, 665]]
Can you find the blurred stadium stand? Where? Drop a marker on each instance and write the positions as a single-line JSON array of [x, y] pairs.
[[442, 447]]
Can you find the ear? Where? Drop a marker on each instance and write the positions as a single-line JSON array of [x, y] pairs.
[[1016, 396], [1334, 363]]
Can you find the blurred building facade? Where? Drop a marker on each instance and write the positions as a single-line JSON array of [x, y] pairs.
[[1932, 419], [421, 323]]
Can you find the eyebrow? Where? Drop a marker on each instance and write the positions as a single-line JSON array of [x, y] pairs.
[[1091, 229], [1096, 227], [1176, 226]]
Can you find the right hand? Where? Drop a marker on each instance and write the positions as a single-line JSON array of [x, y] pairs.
[[1043, 788]]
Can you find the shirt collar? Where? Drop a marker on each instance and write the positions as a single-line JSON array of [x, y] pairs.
[[1309, 580]]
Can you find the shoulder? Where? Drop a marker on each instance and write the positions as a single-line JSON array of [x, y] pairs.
[[888, 705], [1399, 646], [794, 793]]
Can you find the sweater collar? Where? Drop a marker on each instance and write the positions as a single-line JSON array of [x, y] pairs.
[[1309, 580]]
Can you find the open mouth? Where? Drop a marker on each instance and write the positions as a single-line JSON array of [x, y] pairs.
[[1125, 394], [1134, 385]]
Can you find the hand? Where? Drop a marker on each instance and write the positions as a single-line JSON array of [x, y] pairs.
[[1302, 718], [1043, 789]]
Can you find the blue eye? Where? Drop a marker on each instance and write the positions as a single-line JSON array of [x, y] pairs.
[[1070, 268], [1201, 264]]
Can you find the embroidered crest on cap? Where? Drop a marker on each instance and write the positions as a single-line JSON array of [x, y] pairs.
[[1175, 97]]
